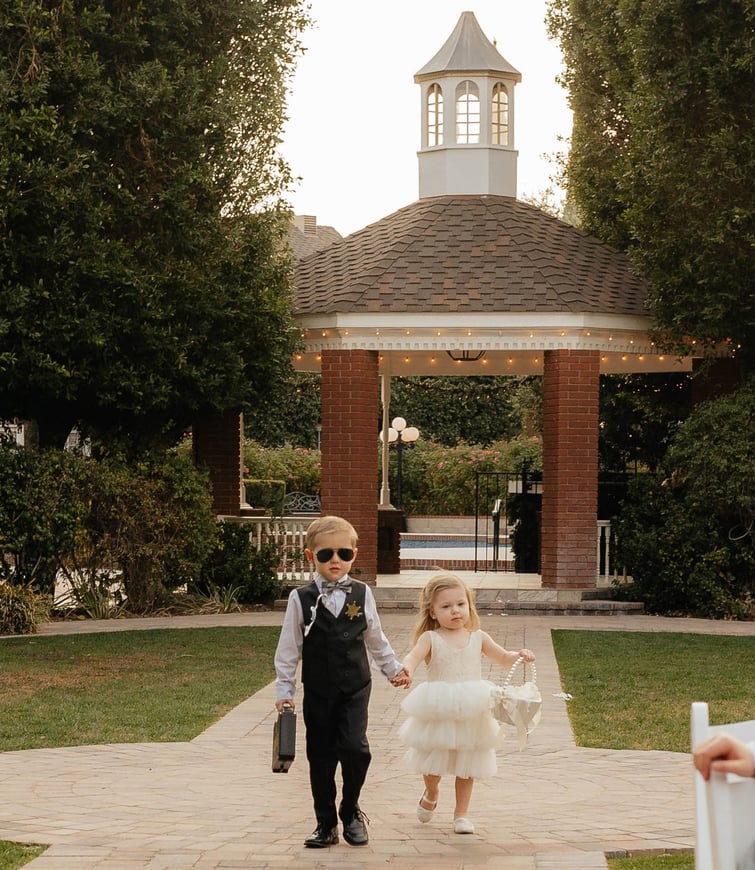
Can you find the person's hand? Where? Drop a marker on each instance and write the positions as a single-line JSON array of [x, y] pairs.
[[402, 678], [526, 654], [724, 754], [285, 702]]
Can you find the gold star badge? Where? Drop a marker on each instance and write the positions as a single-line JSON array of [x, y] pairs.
[[352, 610]]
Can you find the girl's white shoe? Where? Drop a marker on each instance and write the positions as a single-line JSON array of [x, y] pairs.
[[423, 813], [462, 825]]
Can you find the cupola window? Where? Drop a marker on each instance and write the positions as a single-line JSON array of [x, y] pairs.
[[500, 115], [434, 116], [467, 114]]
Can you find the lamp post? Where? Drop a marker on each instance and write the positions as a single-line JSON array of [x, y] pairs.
[[401, 435]]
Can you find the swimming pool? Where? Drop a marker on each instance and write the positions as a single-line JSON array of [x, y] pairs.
[[438, 542]]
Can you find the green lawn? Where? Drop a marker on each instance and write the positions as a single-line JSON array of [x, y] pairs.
[[127, 686], [630, 691], [634, 690], [653, 862], [14, 855]]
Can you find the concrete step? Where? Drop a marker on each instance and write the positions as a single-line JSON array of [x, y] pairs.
[[534, 602], [542, 607]]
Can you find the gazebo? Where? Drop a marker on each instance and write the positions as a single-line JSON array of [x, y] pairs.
[[469, 280]]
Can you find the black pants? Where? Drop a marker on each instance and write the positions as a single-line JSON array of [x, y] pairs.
[[336, 732]]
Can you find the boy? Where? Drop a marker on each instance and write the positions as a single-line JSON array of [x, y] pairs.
[[334, 623]]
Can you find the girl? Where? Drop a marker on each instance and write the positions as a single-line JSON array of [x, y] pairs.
[[450, 729]]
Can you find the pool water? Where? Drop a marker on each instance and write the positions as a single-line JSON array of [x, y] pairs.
[[439, 542]]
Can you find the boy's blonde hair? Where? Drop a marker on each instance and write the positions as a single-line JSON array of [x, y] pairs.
[[326, 526], [437, 584]]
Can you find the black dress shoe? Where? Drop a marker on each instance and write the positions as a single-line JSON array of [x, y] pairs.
[[322, 837], [355, 831]]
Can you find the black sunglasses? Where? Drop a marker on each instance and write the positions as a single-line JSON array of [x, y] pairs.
[[326, 554]]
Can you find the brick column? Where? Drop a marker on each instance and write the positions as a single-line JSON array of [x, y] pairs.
[[217, 443], [568, 548], [349, 482]]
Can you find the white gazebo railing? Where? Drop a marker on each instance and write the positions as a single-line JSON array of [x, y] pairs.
[[607, 566], [289, 536]]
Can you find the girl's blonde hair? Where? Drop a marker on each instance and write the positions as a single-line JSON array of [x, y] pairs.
[[326, 526], [437, 584]]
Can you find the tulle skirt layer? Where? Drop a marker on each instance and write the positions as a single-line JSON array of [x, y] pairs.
[[450, 729]]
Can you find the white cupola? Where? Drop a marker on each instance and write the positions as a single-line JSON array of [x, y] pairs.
[[467, 117]]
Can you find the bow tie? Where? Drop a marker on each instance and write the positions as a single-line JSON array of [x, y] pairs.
[[342, 585]]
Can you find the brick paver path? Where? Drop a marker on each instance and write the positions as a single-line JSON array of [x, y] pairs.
[[214, 804]]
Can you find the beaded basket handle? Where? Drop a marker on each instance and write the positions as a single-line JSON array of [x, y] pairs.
[[516, 664]]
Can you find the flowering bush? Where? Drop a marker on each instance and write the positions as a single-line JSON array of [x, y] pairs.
[[435, 480], [442, 480]]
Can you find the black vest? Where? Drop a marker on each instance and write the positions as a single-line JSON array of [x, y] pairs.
[[334, 657]]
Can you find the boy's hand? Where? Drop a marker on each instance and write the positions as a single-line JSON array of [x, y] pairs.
[[285, 702]]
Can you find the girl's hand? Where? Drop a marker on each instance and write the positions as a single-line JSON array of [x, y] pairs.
[[526, 654], [402, 678]]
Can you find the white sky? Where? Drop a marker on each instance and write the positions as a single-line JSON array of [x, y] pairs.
[[354, 109]]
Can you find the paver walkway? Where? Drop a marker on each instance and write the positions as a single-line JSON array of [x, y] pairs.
[[214, 804]]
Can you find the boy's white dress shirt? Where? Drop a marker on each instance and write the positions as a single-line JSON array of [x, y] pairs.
[[378, 647]]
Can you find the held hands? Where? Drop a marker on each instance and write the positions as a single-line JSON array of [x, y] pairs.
[[402, 679], [724, 754], [526, 654]]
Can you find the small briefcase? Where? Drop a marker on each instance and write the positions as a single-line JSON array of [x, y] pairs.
[[284, 740]]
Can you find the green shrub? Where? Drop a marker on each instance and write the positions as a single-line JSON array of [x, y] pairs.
[[523, 510], [153, 520], [267, 494], [235, 565], [43, 503], [21, 609], [84, 519], [687, 539], [298, 467]]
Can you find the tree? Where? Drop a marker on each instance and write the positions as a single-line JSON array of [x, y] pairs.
[[296, 417], [663, 153], [142, 279], [469, 410], [639, 415]]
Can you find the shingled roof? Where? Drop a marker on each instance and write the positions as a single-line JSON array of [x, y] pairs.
[[304, 244], [449, 254]]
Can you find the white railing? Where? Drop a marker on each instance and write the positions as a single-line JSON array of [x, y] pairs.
[[289, 536], [606, 560]]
